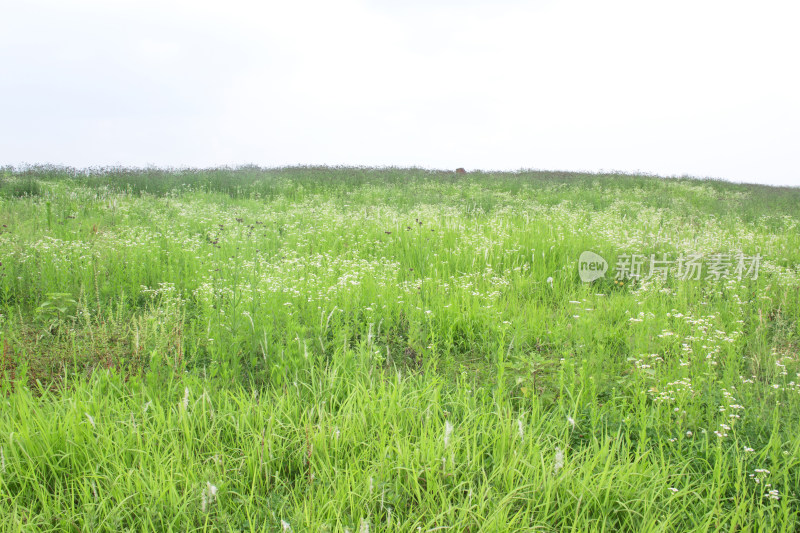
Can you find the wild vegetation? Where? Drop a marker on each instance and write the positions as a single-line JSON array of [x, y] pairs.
[[347, 349]]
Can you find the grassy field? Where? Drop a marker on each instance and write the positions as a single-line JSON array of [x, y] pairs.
[[319, 349]]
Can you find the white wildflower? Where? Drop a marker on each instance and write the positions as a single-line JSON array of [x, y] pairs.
[[673, 489], [363, 526], [571, 421], [448, 430], [186, 398], [559, 460], [550, 281], [208, 497], [285, 526], [520, 430]]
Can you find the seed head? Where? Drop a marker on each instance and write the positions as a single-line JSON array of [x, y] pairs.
[[559, 460], [448, 430]]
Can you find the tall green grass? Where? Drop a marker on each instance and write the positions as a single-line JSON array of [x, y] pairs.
[[392, 349]]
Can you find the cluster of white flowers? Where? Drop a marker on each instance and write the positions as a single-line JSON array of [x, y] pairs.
[[760, 473], [558, 462], [208, 496], [723, 433]]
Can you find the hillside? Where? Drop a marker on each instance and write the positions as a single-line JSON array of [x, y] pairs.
[[331, 349]]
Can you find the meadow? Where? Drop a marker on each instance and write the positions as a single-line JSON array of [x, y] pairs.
[[355, 349]]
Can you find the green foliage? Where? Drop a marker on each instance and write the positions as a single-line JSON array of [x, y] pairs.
[[57, 311], [227, 349], [19, 188]]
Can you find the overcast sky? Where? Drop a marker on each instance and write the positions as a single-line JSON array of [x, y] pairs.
[[702, 88]]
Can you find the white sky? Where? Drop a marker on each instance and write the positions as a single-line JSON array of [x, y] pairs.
[[702, 88]]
